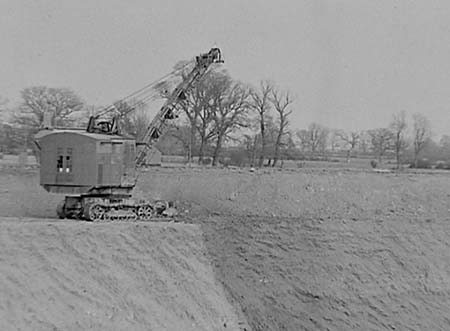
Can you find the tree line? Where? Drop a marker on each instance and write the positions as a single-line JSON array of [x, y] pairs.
[[222, 117], [396, 141]]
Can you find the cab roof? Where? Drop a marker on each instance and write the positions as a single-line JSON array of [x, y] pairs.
[[82, 132]]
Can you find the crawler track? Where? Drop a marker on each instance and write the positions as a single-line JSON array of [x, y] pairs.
[[109, 210]]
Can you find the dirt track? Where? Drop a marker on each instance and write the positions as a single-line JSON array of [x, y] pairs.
[[320, 250]]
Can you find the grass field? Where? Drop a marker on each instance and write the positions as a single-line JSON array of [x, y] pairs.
[[303, 249]]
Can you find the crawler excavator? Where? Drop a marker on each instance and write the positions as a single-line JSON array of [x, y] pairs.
[[97, 167]]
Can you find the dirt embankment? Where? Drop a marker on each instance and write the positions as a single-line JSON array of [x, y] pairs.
[[82, 276], [302, 274], [328, 250], [306, 250], [345, 251]]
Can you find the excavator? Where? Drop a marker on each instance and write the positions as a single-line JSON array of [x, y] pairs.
[[98, 167]]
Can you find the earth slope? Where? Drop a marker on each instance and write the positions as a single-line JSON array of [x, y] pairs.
[[66, 275]]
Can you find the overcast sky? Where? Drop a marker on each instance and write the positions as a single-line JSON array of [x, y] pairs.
[[351, 64]]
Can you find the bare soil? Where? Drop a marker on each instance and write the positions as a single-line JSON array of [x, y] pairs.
[[75, 275], [300, 274], [294, 250]]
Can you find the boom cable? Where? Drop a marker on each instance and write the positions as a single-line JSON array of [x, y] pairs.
[[145, 93]]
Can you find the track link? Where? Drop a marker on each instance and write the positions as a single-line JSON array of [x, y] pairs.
[[109, 210]]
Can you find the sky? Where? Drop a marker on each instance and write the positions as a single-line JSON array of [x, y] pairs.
[[351, 64]]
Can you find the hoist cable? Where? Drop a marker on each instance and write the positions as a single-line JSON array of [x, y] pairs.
[[142, 91]]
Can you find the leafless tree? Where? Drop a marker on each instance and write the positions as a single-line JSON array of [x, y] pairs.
[[4, 137], [213, 87], [318, 136], [195, 108], [199, 110], [281, 102], [3, 127], [250, 142], [167, 84], [12, 137], [133, 117], [334, 139], [444, 144], [351, 140], [421, 135], [3, 107], [381, 141], [272, 129], [192, 108], [38, 100], [252, 139], [260, 102], [140, 121], [175, 137], [193, 105], [314, 139], [398, 127], [364, 142], [230, 110], [303, 137]]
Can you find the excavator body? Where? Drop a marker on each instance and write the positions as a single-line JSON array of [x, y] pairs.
[[97, 167], [88, 168], [76, 161]]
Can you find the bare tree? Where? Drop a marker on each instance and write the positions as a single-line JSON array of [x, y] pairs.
[[303, 140], [398, 127], [4, 138], [198, 107], [252, 140], [314, 139], [364, 142], [351, 140], [444, 144], [261, 103], [272, 130], [12, 137], [250, 143], [38, 100], [194, 105], [176, 137], [212, 87], [334, 139], [3, 108], [318, 136], [140, 121], [381, 140], [195, 108], [133, 117], [230, 111], [421, 135], [281, 102]]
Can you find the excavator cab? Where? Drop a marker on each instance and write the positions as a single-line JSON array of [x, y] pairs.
[[103, 126]]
